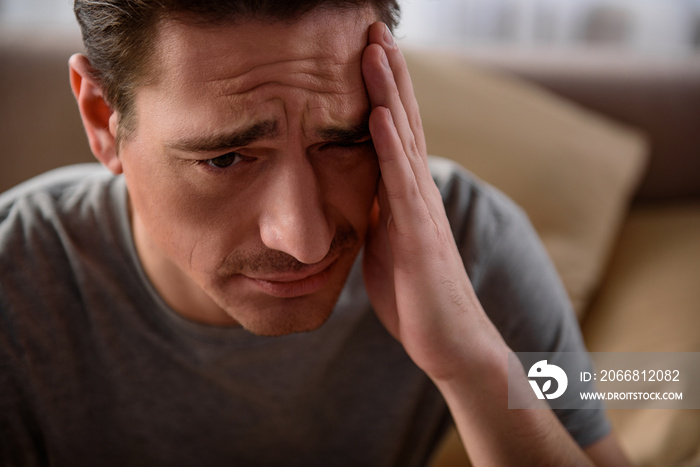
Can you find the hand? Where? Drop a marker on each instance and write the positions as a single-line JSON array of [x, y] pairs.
[[413, 271], [421, 292]]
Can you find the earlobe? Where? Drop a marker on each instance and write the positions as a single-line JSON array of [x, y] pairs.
[[99, 119]]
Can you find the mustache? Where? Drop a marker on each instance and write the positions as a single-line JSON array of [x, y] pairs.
[[276, 262]]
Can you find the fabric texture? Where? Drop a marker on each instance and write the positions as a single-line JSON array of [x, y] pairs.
[[95, 369], [646, 301], [571, 170], [643, 307]]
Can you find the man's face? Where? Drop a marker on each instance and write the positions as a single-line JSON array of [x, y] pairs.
[[251, 174]]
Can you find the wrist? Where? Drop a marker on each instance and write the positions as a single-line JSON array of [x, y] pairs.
[[477, 359]]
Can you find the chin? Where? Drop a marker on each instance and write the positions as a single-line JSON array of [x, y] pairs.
[[284, 319], [265, 315]]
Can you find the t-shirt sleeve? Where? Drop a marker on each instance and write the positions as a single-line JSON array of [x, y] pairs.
[[518, 285]]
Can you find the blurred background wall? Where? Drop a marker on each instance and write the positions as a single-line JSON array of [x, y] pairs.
[[650, 27], [668, 28], [39, 14]]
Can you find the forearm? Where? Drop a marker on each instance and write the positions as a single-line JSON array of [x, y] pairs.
[[495, 435]]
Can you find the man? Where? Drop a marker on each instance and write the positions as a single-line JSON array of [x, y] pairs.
[[199, 304]]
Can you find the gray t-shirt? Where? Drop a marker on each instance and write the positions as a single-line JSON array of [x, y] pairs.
[[95, 369]]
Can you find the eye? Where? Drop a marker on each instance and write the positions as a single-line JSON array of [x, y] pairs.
[[222, 162]]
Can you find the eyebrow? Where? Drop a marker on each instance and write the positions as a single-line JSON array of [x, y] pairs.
[[345, 134], [255, 132], [267, 130]]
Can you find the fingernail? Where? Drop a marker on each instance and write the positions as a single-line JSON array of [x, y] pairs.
[[388, 37]]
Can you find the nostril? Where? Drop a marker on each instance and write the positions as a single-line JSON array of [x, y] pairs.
[[294, 220], [308, 242]]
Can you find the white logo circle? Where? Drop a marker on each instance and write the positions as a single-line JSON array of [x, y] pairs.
[[543, 370]]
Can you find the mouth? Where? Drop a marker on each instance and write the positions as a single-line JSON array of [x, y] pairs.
[[296, 283]]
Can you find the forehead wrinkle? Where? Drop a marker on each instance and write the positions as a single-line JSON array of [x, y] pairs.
[[318, 36], [316, 75]]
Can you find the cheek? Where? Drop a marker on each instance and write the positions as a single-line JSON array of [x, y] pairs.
[[195, 227]]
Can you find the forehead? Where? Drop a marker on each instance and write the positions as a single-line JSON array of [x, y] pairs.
[[320, 42], [250, 69]]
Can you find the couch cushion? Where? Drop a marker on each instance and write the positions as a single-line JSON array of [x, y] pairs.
[[651, 290], [572, 171], [657, 94], [649, 302]]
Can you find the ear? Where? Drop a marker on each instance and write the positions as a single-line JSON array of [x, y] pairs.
[[99, 119]]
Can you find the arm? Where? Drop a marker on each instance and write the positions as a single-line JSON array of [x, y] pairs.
[[607, 453], [420, 289]]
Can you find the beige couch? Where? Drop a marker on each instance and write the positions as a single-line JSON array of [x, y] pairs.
[[611, 183]]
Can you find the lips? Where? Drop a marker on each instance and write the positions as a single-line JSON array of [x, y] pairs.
[[295, 283]]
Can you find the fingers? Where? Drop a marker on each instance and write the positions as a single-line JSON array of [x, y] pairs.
[[404, 198], [379, 34], [397, 131], [384, 92]]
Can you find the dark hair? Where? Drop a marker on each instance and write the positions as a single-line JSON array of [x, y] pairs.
[[118, 34]]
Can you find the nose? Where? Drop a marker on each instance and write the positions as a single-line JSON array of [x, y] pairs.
[[293, 219]]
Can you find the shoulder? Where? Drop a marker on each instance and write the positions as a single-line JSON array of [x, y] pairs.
[[57, 233], [53, 187], [505, 260], [57, 198], [481, 216], [471, 201], [46, 219]]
